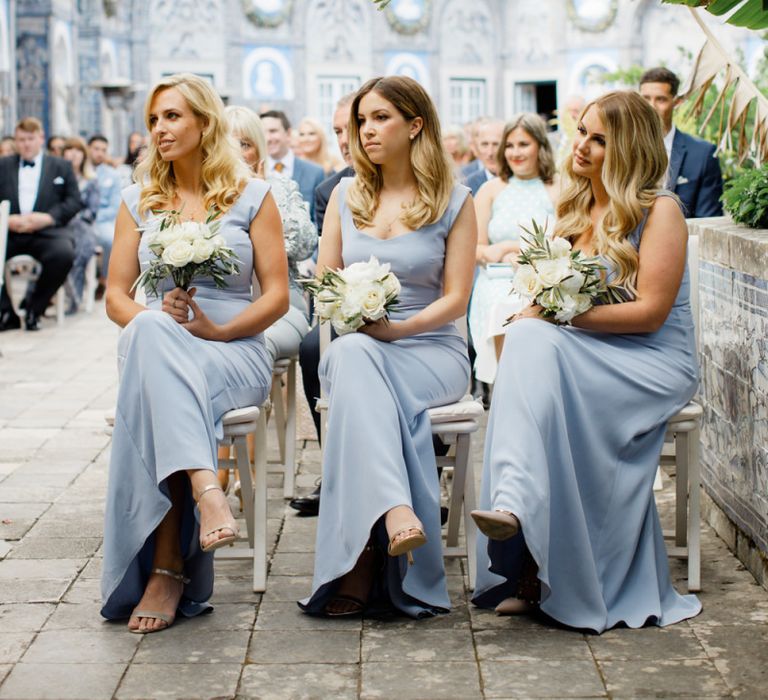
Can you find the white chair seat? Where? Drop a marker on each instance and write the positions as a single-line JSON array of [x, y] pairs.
[[236, 416], [692, 411], [465, 409]]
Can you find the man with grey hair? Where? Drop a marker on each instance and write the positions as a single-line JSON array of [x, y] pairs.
[[487, 140]]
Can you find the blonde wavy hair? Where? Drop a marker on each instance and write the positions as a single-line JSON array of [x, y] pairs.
[[223, 173], [323, 156], [533, 125], [245, 124], [633, 171], [433, 170]]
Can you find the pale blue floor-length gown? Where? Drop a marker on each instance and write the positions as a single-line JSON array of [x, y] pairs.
[[174, 389], [574, 436], [378, 452]]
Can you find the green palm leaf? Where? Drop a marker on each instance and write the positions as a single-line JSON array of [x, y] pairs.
[[746, 13]]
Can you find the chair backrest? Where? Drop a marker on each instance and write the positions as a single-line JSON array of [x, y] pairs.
[[693, 276], [5, 208]]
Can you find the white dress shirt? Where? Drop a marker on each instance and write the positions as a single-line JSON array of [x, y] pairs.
[[287, 160], [668, 139], [29, 181]]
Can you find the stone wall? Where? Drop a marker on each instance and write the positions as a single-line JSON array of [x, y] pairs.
[[733, 323]]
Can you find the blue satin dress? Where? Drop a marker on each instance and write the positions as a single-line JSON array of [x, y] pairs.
[[174, 389], [574, 436], [379, 452]]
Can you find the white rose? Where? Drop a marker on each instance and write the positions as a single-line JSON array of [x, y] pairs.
[[552, 272], [572, 285], [549, 300], [343, 325], [202, 249], [217, 241], [326, 304], [391, 286], [583, 303], [168, 237], [364, 272], [352, 303], [567, 309], [560, 247], [178, 254], [373, 303], [526, 282], [192, 231]]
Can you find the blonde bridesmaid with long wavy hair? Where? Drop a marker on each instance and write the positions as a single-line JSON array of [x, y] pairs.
[[185, 359], [579, 412], [378, 537]]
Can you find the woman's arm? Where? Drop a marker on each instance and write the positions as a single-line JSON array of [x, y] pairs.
[[483, 210], [329, 255], [458, 274], [660, 272], [123, 270], [271, 269]]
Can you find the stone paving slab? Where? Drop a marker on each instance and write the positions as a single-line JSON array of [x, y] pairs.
[[54, 644]]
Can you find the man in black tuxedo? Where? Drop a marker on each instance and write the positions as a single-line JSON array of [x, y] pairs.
[[309, 352], [694, 171], [44, 196]]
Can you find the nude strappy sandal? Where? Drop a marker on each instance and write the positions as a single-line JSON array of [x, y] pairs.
[[155, 614], [229, 525]]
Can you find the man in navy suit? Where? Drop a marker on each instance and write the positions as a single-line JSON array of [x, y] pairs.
[[489, 133], [44, 196], [280, 158], [694, 171]]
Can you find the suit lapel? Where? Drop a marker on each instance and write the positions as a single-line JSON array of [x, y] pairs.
[[45, 178], [13, 179], [676, 160]]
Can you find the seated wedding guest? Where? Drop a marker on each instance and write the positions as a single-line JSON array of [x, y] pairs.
[[44, 197], [309, 353], [284, 336], [136, 142], [694, 170], [487, 139], [185, 359], [82, 226], [110, 186], [281, 159], [524, 190], [456, 148], [314, 147], [55, 145], [7, 146], [381, 494], [579, 411]]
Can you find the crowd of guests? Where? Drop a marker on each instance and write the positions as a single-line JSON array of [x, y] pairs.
[[578, 413]]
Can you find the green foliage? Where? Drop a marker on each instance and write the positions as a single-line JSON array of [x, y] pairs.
[[746, 198], [750, 13]]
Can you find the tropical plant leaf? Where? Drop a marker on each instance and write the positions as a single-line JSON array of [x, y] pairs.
[[746, 13]]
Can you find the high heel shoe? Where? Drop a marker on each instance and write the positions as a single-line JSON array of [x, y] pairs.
[[230, 525], [155, 614], [405, 545], [496, 524]]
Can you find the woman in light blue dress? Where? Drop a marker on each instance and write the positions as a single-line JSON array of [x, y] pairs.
[[380, 507], [524, 190], [185, 360], [579, 412]]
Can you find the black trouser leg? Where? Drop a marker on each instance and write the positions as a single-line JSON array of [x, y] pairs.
[[309, 359], [55, 251]]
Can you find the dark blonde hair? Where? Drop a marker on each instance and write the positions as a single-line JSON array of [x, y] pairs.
[[633, 171], [533, 125], [31, 125], [78, 144], [429, 161], [223, 171]]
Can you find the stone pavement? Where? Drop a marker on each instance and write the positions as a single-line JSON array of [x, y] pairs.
[[54, 388]]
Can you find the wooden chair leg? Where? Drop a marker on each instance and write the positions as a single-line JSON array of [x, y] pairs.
[[457, 490], [246, 483], [278, 405], [260, 506], [470, 529]]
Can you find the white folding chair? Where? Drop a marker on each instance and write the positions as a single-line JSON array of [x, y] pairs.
[[454, 423], [26, 266], [685, 430], [284, 412]]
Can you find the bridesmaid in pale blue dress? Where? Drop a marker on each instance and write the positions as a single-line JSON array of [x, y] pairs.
[[525, 189], [378, 537], [579, 412], [185, 360]]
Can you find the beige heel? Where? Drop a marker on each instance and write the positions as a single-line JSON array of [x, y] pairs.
[[230, 525], [406, 545]]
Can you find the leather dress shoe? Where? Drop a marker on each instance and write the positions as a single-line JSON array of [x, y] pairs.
[[307, 506], [9, 321], [32, 321]]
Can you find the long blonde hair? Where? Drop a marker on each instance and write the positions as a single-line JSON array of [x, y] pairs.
[[323, 156], [633, 170], [223, 171], [245, 124], [433, 170]]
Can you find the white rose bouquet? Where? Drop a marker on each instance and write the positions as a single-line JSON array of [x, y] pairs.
[[564, 282], [360, 293], [184, 250]]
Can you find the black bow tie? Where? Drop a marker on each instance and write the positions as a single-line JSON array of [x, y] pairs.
[[27, 163]]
